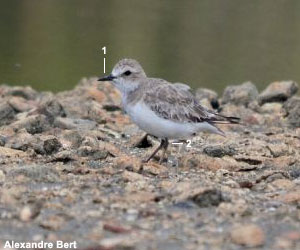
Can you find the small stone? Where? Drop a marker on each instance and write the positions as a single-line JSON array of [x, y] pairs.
[[272, 108], [128, 163], [249, 235], [246, 184], [292, 197], [29, 212], [282, 243], [278, 92], [111, 107], [33, 124], [278, 149], [111, 149], [70, 123], [292, 235], [220, 150], [154, 168], [250, 160], [283, 161], [292, 107], [208, 198], [53, 222], [138, 197], [202, 161], [253, 119], [11, 153], [2, 177], [7, 113], [72, 139], [38, 237], [51, 108], [114, 228], [241, 94], [21, 140], [25, 92], [90, 141], [109, 171], [52, 237], [236, 208], [284, 184], [26, 214], [83, 106], [117, 243], [52, 145], [2, 140], [35, 173], [95, 154], [294, 172], [21, 105], [64, 156], [132, 176], [11, 196]]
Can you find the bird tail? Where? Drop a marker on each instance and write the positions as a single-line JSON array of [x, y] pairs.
[[221, 119]]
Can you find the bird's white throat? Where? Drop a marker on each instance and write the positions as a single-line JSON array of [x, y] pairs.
[[125, 87]]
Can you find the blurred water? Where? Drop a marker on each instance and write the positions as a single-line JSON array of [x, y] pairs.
[[51, 44]]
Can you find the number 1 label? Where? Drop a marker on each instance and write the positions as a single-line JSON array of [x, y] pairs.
[[104, 52]]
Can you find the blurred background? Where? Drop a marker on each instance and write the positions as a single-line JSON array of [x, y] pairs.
[[52, 44]]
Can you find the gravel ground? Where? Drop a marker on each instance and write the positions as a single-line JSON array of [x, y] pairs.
[[71, 170]]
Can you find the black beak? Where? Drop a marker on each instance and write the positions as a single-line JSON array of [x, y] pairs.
[[107, 78]]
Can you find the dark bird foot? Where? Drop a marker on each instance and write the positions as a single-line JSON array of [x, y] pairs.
[[163, 145]]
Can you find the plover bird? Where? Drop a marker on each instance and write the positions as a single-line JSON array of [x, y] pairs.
[[162, 109]]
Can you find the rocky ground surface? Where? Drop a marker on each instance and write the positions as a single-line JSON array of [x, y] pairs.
[[71, 169]]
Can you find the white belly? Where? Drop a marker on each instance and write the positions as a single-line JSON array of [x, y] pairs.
[[148, 121]]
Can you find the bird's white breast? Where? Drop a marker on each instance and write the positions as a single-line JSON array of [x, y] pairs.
[[148, 121]]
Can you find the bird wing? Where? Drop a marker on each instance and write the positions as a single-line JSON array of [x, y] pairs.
[[179, 105]]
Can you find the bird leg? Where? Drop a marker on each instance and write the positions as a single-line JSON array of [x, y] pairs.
[[163, 144], [165, 147]]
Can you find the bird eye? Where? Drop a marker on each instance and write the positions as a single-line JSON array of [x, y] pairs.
[[127, 73]]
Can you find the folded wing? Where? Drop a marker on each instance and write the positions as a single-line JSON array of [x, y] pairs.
[[178, 104]]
